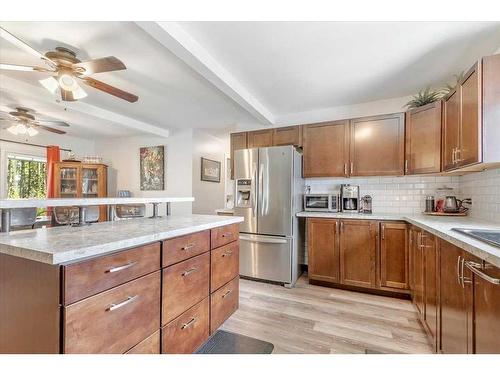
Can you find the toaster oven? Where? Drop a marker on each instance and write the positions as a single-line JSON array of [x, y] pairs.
[[321, 202]]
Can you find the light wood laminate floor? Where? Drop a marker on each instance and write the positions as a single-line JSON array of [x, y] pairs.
[[314, 319]]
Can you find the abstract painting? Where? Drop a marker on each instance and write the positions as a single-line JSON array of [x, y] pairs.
[[210, 170], [152, 168]]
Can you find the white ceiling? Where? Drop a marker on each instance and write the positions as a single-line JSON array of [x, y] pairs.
[[302, 66], [224, 74]]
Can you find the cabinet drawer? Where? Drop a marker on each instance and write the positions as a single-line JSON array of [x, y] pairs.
[[223, 303], [178, 249], [151, 345], [224, 262], [186, 333], [84, 279], [224, 235], [184, 285], [116, 320]]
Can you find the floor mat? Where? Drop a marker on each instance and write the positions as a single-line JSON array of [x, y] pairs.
[[223, 342]]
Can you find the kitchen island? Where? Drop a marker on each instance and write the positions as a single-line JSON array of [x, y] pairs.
[[150, 285]]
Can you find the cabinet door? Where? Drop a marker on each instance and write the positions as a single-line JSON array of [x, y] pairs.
[[468, 151], [326, 149], [377, 145], [238, 142], [486, 309], [418, 273], [423, 139], [289, 135], [430, 286], [260, 138], [452, 295], [358, 247], [451, 130], [323, 249], [394, 255], [67, 181]]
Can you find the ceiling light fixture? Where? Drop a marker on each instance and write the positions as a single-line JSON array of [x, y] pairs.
[[31, 132], [21, 129], [50, 84], [13, 130]]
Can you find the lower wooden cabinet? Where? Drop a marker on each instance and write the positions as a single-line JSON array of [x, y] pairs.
[[323, 249], [429, 244], [486, 318], [358, 248], [223, 303], [394, 273], [187, 332], [224, 264], [115, 320], [150, 345]]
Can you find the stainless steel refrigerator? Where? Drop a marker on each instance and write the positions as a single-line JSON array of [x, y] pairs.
[[269, 187]]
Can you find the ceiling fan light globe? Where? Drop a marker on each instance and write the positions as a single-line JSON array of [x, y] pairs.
[[21, 129], [31, 132], [50, 84], [13, 130], [79, 93], [68, 82]]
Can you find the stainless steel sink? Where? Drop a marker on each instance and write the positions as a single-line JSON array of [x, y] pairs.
[[486, 235]]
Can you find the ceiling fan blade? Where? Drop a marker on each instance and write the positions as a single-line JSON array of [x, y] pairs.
[[50, 122], [24, 68], [19, 43], [110, 89], [48, 128], [106, 64]]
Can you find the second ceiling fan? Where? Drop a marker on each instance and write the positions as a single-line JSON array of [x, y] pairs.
[[68, 70]]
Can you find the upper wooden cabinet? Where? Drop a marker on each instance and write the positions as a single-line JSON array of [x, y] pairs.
[[323, 249], [238, 141], [394, 271], [471, 116], [423, 139], [377, 145], [289, 135], [326, 149], [260, 138]]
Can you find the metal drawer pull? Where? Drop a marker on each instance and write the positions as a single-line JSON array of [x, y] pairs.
[[189, 271], [229, 234], [121, 268], [188, 246], [476, 268], [115, 306], [226, 294], [190, 323], [227, 254], [458, 269], [465, 280]]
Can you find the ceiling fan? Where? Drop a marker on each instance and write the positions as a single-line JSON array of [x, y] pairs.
[[24, 122], [68, 70]]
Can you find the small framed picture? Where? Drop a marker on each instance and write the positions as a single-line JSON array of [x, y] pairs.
[[210, 170]]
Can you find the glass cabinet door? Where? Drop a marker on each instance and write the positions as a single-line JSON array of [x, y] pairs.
[[90, 182], [69, 182]]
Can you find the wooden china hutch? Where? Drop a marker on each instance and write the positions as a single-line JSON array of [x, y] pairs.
[[81, 180]]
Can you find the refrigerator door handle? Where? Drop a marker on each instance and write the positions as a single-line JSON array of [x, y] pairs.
[[262, 240], [261, 189], [254, 191]]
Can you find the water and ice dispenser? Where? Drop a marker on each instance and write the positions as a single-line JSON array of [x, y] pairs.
[[244, 193]]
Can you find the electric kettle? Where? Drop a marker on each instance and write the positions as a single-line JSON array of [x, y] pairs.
[[453, 205]]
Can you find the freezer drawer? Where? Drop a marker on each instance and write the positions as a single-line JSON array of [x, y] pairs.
[[266, 257]]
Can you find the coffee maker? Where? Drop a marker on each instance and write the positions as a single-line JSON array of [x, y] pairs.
[[349, 198]]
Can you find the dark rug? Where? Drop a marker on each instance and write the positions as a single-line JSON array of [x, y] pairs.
[[223, 342]]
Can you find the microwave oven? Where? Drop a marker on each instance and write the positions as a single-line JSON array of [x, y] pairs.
[[321, 202]]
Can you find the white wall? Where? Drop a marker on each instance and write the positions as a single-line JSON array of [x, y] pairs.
[[209, 196], [81, 147], [122, 157]]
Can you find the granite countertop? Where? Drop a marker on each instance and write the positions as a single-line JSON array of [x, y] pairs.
[[67, 244], [438, 226]]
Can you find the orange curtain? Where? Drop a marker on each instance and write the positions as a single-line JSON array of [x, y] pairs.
[[53, 155]]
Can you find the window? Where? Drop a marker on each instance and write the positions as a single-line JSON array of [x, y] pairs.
[[26, 176]]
